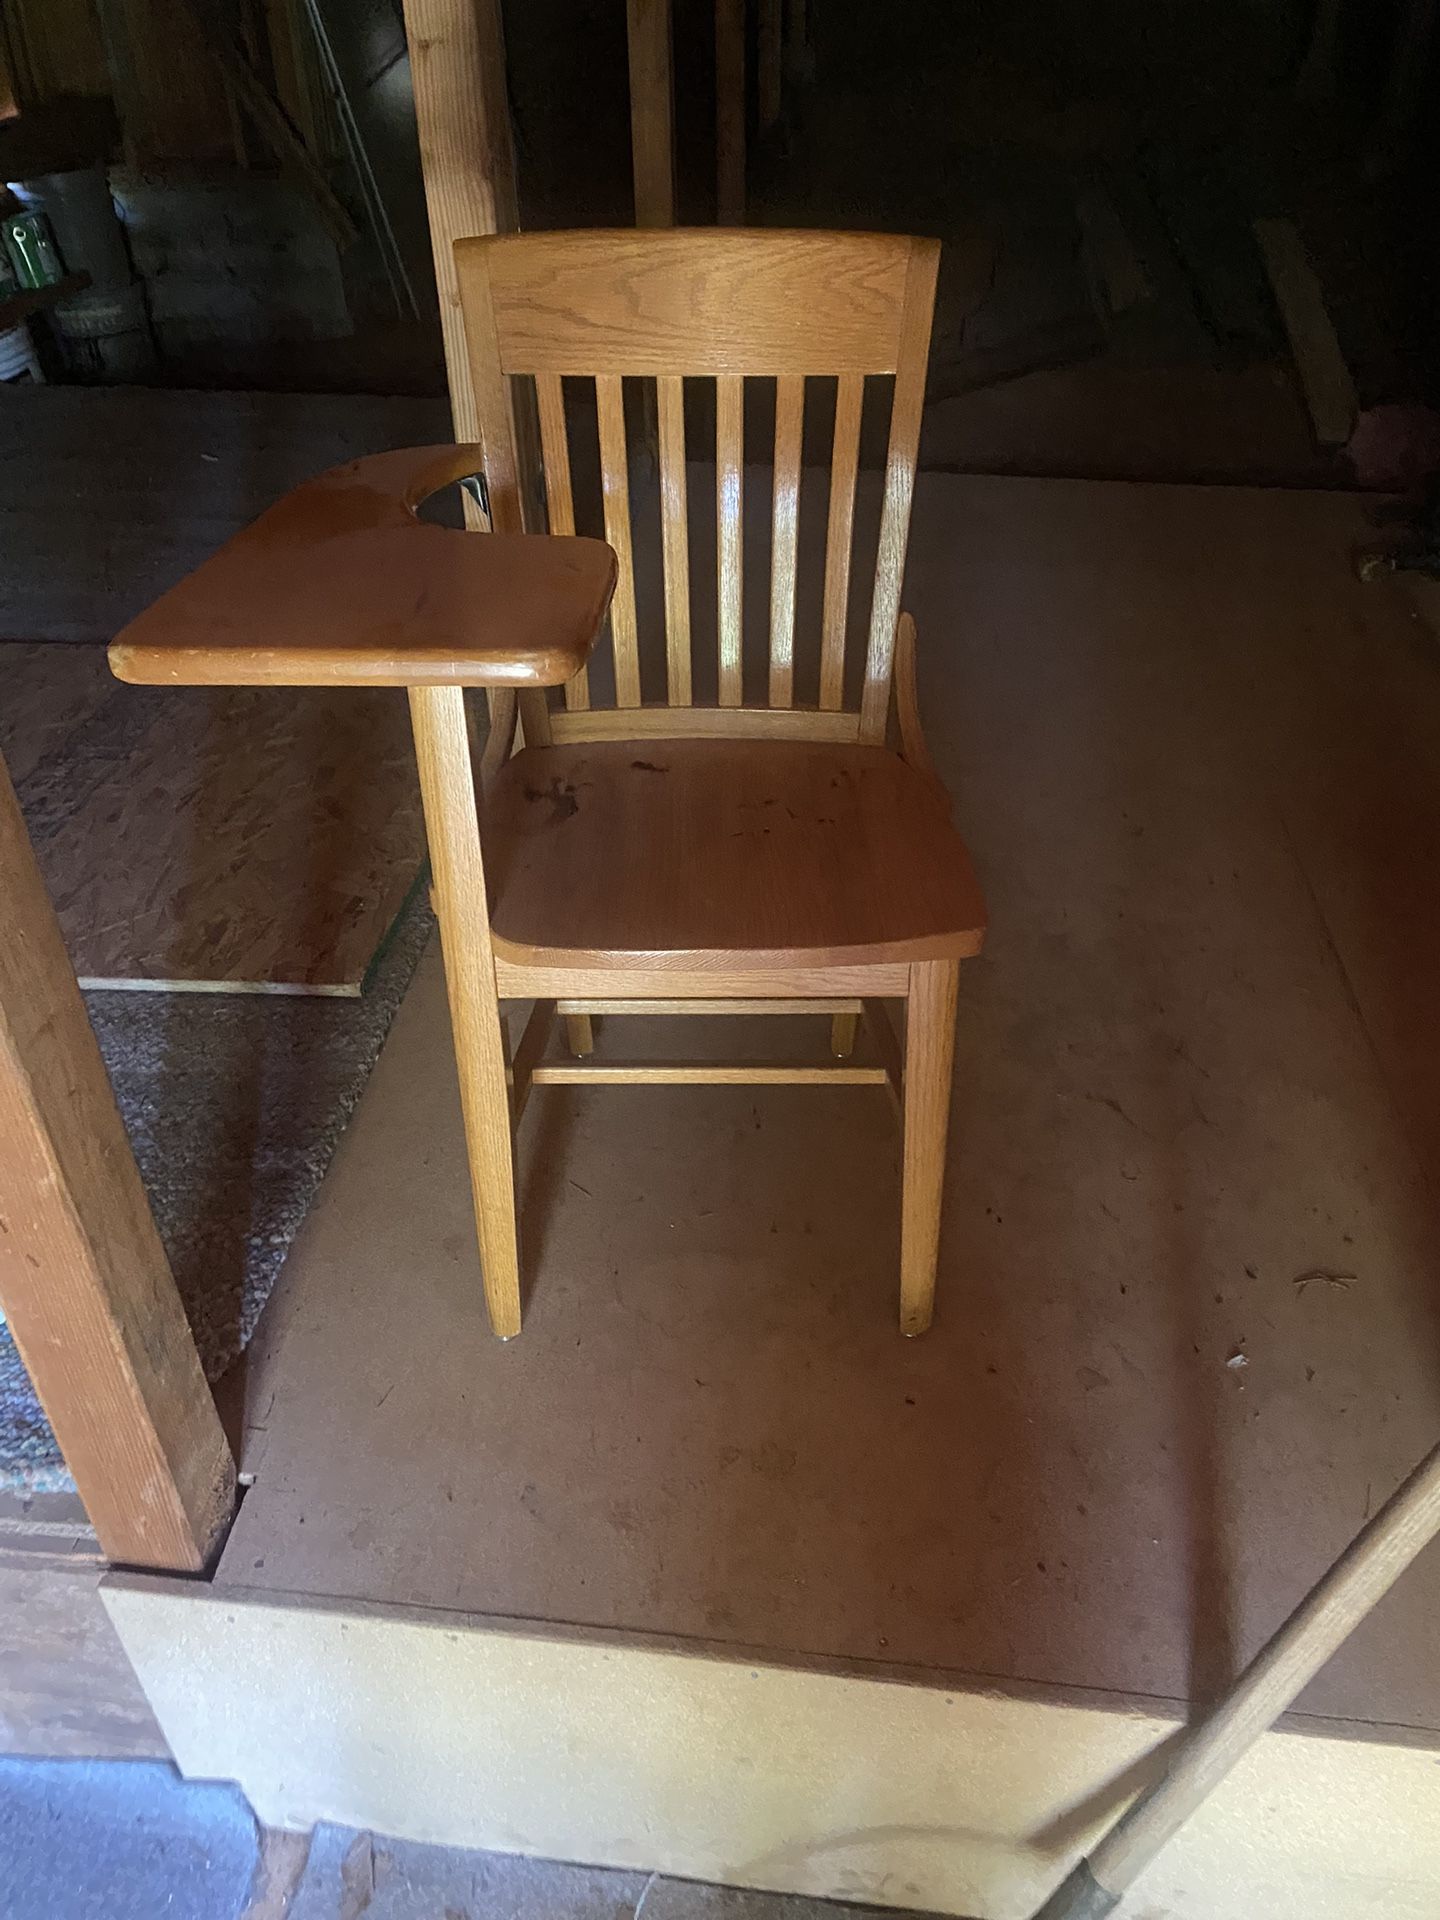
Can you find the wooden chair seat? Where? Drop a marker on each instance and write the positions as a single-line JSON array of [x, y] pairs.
[[730, 854]]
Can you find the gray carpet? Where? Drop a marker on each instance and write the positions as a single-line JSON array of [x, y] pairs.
[[234, 1104]]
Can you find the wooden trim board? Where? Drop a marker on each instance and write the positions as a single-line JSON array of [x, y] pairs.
[[468, 1730]]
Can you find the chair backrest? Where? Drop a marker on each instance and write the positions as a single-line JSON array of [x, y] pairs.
[[674, 305]]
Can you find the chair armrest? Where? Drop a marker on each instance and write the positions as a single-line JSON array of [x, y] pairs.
[[339, 584], [913, 749]]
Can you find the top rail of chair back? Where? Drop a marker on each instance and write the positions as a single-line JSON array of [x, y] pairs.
[[703, 301]]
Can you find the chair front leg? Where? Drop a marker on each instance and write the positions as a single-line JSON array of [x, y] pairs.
[[929, 1058], [447, 789]]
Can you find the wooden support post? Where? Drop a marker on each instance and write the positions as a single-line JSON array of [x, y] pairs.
[[467, 153], [467, 157], [652, 111], [1324, 376], [730, 112], [84, 1282]]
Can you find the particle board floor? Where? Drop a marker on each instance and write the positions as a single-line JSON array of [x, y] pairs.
[[236, 839], [192, 837], [1187, 1327]]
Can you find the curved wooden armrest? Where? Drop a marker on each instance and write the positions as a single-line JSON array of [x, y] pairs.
[[913, 750], [339, 584]]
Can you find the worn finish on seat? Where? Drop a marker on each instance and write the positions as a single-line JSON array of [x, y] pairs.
[[724, 854], [340, 581]]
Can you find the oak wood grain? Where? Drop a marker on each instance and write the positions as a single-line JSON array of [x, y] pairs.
[[666, 975], [730, 532], [340, 584], [839, 1008], [84, 1283], [705, 723], [559, 493], [905, 415], [907, 700], [675, 540], [784, 537], [738, 307], [615, 482], [692, 301], [467, 155], [839, 534], [737, 1073], [929, 1055], [442, 750], [725, 854]]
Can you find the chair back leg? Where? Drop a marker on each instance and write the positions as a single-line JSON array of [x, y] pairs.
[[579, 1034], [929, 1056]]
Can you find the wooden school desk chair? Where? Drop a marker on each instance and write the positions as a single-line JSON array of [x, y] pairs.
[[657, 855]]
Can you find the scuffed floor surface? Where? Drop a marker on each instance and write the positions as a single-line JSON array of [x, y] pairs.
[[131, 1840]]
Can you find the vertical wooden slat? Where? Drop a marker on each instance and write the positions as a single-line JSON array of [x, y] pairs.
[[784, 536], [675, 539], [729, 528], [652, 111], [559, 497], [730, 112], [909, 404], [839, 533], [84, 1282], [615, 485]]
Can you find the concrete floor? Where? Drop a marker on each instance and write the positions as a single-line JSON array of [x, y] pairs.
[[129, 1840], [1186, 1336]]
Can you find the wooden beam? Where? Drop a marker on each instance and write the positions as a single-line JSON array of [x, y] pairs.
[[84, 1282], [467, 153], [1329, 388], [652, 111], [467, 158], [730, 112]]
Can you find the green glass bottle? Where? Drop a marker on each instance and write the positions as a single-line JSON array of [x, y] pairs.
[[32, 250]]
